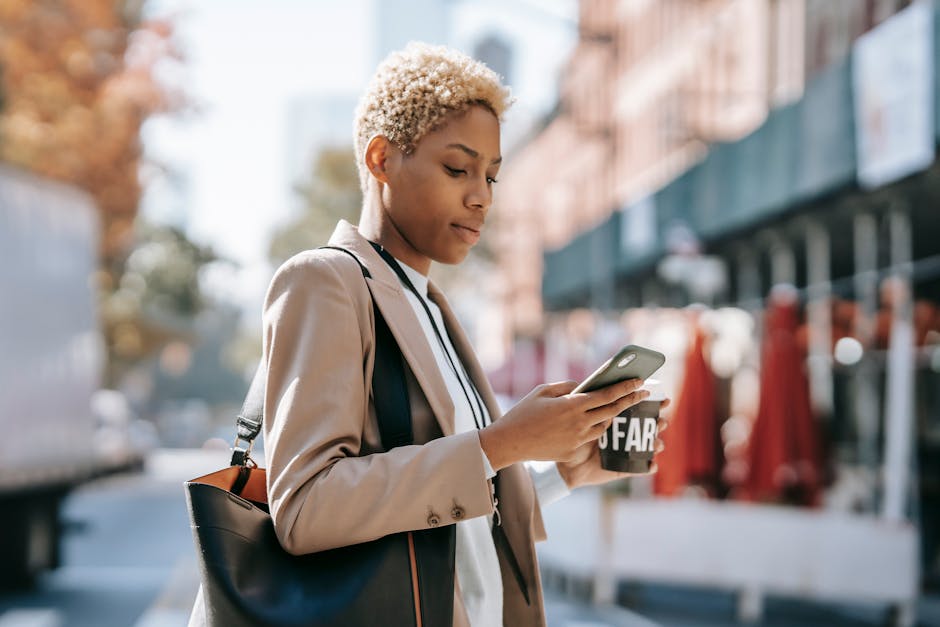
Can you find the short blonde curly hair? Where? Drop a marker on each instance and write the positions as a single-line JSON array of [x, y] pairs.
[[416, 89]]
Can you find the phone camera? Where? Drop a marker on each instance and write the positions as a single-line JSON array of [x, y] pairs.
[[626, 360]]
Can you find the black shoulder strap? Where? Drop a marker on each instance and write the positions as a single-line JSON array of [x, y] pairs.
[[389, 390]]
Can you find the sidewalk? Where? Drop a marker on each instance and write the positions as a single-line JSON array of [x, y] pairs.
[[696, 607]]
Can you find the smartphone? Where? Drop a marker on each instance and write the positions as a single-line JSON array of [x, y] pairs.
[[630, 362]]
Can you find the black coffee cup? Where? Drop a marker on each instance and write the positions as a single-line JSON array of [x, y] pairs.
[[629, 443]]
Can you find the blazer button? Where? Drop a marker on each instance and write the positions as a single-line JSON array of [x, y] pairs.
[[433, 520], [457, 513]]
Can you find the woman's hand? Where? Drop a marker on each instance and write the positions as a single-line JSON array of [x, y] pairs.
[[552, 424], [585, 468]]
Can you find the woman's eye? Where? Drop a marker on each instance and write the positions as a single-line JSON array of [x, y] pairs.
[[454, 171], [491, 180]]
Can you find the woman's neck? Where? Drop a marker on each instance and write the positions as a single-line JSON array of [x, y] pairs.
[[376, 225]]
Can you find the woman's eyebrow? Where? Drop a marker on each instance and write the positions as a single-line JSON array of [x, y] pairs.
[[473, 153]]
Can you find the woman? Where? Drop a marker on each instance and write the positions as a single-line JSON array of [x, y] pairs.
[[427, 142]]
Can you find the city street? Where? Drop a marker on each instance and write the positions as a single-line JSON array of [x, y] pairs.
[[128, 556]]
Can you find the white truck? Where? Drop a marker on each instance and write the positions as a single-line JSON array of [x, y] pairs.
[[51, 361]]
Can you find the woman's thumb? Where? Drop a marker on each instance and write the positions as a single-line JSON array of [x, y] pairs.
[[559, 388]]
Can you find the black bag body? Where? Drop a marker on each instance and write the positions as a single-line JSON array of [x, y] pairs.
[[248, 579]]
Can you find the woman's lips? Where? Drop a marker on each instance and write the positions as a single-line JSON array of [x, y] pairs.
[[470, 236]]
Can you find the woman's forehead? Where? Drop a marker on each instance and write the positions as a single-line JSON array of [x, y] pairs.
[[474, 133]]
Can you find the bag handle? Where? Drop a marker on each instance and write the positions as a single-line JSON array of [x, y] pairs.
[[389, 391]]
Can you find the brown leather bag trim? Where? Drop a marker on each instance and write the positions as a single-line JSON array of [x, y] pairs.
[[255, 488], [414, 578]]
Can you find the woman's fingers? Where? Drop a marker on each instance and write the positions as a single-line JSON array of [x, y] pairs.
[[632, 399], [662, 424], [559, 388], [597, 430], [607, 395], [617, 407]]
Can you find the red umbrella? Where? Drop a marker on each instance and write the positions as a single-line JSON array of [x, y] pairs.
[[785, 444], [691, 441]]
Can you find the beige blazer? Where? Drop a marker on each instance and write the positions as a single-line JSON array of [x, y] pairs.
[[329, 481]]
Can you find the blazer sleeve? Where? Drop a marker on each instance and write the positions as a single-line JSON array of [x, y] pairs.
[[321, 493]]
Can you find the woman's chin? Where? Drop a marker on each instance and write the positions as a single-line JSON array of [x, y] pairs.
[[454, 257]]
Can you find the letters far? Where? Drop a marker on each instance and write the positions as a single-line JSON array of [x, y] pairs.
[[630, 434]]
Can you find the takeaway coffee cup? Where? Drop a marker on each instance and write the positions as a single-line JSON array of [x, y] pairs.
[[629, 443]]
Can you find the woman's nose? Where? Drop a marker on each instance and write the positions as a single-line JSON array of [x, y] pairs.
[[480, 197]]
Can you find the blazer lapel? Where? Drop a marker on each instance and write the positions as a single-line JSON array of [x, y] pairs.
[[390, 298]]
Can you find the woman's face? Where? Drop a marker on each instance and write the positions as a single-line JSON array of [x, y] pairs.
[[437, 197]]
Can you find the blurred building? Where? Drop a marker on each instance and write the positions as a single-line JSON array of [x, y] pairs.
[[399, 21], [832, 26], [648, 87], [496, 53], [708, 151]]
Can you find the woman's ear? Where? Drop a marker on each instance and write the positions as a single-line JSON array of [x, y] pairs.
[[376, 157]]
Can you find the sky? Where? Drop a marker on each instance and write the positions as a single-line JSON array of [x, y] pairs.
[[224, 169]]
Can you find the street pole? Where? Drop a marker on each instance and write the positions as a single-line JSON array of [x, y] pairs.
[[865, 234], [899, 376]]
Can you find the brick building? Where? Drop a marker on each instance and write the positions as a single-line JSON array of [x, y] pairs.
[[649, 87]]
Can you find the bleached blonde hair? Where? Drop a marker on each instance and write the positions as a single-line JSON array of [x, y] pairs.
[[415, 90]]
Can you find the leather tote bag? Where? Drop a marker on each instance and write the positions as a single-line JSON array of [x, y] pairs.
[[247, 578]]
